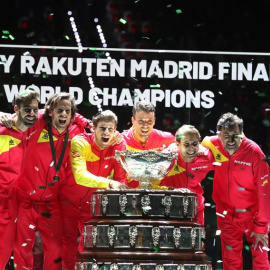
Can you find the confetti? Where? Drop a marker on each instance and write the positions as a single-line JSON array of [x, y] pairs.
[[24, 244], [218, 214], [42, 187], [154, 85], [58, 260], [46, 214], [207, 204], [267, 159], [240, 188], [33, 192], [158, 41], [11, 37], [216, 163], [31, 226], [266, 248], [156, 248], [218, 232], [5, 32], [265, 182], [122, 21], [50, 184], [240, 210], [146, 37], [178, 11], [190, 175], [207, 114], [229, 247], [181, 136]]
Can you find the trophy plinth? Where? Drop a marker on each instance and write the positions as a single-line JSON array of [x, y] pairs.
[[145, 166]]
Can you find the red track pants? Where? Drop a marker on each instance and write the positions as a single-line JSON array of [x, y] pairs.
[[232, 245]]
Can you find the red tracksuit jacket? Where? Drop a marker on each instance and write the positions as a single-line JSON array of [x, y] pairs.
[[241, 187], [158, 141], [12, 147], [189, 175], [98, 162], [35, 182]]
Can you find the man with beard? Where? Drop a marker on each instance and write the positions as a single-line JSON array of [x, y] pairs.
[[93, 162], [143, 136], [13, 142], [44, 173], [193, 163], [241, 192]]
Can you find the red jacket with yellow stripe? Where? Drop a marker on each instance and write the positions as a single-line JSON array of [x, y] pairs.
[[241, 187], [158, 141], [12, 148], [88, 163], [189, 175], [35, 182]]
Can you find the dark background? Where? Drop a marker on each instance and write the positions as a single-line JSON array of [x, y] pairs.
[[233, 26]]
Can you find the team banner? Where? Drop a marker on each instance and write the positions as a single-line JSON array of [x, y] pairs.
[[184, 86]]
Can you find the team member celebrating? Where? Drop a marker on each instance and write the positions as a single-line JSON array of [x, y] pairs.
[[193, 164], [241, 192], [12, 147], [93, 161], [142, 135], [42, 175]]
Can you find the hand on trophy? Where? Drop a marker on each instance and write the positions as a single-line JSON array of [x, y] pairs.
[[116, 185]]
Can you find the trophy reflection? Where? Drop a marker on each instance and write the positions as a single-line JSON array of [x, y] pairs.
[[145, 166]]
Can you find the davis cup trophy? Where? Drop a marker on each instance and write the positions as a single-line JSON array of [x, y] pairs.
[[144, 228], [145, 166]]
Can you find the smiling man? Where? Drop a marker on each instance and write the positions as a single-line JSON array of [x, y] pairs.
[[13, 143], [241, 191], [94, 165], [142, 135], [193, 164], [43, 174]]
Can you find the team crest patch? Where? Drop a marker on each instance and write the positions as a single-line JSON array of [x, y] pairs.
[[11, 142]]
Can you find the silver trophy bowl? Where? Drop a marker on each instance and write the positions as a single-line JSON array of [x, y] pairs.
[[145, 166]]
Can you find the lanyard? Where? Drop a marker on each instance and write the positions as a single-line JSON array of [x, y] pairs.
[[57, 166]]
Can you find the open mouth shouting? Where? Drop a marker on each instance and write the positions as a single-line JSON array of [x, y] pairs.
[[105, 140], [62, 122]]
